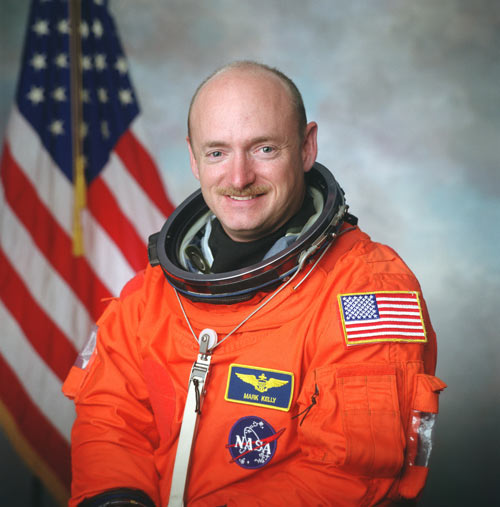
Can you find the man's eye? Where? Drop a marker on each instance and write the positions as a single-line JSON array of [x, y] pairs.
[[215, 154], [267, 149]]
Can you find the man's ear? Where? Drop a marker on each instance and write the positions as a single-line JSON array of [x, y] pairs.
[[192, 160], [310, 146]]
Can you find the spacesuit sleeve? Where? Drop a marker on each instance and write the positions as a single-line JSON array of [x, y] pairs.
[[113, 436], [368, 415]]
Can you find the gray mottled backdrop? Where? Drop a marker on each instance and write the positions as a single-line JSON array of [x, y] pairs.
[[407, 97]]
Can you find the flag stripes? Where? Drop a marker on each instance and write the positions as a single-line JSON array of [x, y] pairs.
[[130, 149], [45, 285], [116, 226], [56, 351], [130, 197], [49, 237], [39, 382], [104, 255]]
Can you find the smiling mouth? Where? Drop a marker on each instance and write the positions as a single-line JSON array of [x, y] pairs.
[[245, 194], [243, 197]]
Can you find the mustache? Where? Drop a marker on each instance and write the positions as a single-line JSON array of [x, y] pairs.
[[242, 192]]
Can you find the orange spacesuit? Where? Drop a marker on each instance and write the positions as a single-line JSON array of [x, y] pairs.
[[318, 399]]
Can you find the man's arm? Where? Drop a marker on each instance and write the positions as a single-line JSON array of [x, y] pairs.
[[114, 433]]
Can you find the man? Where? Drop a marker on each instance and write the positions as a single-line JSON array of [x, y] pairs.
[[272, 354]]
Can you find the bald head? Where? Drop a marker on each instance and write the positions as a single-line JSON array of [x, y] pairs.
[[249, 150], [254, 70]]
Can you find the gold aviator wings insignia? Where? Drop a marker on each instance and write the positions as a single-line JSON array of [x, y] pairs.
[[261, 384]]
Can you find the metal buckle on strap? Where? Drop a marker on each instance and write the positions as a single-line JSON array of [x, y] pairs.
[[192, 411]]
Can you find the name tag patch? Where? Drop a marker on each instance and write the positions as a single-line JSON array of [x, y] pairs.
[[262, 387]]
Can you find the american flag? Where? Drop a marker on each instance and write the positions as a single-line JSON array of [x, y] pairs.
[[49, 299], [382, 317]]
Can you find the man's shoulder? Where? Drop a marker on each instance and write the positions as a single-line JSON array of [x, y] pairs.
[[143, 281], [357, 260], [134, 285]]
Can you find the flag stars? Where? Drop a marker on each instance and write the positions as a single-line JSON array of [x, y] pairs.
[[102, 95], [41, 27], [84, 129], [39, 61], [56, 128], [85, 96], [61, 60], [105, 130], [100, 61], [121, 65], [36, 95], [84, 29], [125, 96], [97, 29], [86, 62], [59, 94], [63, 26]]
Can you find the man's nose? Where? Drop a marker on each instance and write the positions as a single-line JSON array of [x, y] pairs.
[[242, 173]]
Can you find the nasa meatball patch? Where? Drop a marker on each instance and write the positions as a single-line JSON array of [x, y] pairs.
[[259, 386], [252, 442]]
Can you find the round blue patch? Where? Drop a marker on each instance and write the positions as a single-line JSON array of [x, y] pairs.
[[252, 442]]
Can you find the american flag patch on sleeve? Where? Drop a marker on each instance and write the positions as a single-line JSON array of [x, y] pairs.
[[372, 317]]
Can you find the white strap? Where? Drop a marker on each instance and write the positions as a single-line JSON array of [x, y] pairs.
[[192, 410]]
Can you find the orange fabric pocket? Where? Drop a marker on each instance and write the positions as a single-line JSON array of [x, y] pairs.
[[426, 395], [357, 424]]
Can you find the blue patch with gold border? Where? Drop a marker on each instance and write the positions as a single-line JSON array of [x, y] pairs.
[[262, 387]]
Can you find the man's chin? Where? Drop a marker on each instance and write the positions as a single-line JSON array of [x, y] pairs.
[[243, 233]]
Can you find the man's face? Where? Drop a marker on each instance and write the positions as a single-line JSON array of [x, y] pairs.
[[246, 151]]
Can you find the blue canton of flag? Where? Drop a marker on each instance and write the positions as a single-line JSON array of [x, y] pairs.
[[44, 95], [381, 317], [360, 307]]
